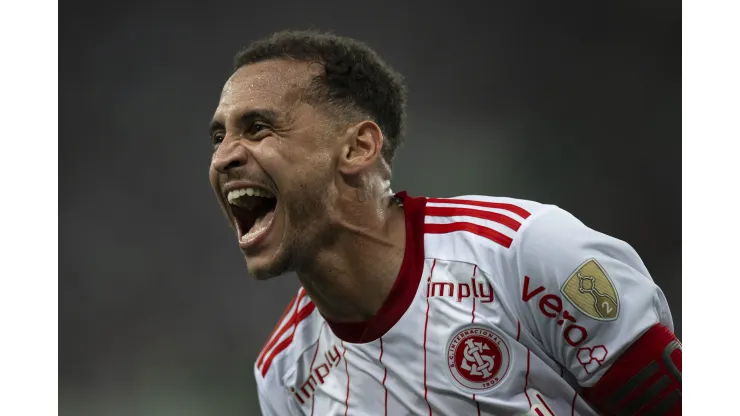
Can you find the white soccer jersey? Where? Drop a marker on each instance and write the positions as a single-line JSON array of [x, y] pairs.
[[501, 307]]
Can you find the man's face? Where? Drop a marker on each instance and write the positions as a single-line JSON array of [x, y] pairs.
[[273, 165]]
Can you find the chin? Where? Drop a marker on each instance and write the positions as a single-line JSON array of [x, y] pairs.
[[262, 268]]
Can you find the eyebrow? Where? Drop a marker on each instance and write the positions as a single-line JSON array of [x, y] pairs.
[[266, 114]]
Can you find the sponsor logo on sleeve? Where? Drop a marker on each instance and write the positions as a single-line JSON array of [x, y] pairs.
[[591, 291], [477, 358]]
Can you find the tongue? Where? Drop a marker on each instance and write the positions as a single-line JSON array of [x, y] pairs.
[[261, 223]]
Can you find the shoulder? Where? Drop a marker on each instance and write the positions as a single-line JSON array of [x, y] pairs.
[[485, 227], [556, 239], [477, 228], [558, 255], [507, 235], [296, 330]]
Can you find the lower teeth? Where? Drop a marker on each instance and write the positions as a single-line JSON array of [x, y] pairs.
[[248, 236], [259, 226]]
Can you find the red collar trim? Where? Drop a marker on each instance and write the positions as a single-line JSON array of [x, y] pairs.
[[404, 289]]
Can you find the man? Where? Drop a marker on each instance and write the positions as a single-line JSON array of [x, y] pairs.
[[424, 306]]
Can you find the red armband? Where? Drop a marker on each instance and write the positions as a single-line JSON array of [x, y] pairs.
[[644, 380]]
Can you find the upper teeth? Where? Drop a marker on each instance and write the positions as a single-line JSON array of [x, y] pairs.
[[233, 196]]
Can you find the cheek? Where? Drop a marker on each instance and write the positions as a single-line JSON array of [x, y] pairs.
[[310, 170], [313, 160], [213, 178], [297, 161], [215, 185]]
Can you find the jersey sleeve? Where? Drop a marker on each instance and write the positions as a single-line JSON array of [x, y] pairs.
[[273, 399], [585, 297]]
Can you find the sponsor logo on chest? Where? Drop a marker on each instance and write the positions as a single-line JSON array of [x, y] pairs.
[[318, 374], [477, 289]]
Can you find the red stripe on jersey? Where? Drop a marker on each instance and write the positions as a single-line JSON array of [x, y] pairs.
[[544, 403], [270, 341], [385, 374], [526, 381], [518, 329], [426, 324], [282, 326], [475, 268], [313, 360], [500, 205], [426, 391], [470, 212], [302, 314], [480, 230], [573, 405], [346, 369]]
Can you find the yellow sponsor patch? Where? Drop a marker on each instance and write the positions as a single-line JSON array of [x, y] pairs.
[[591, 291]]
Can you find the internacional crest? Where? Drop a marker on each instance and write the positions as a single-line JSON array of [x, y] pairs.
[[477, 358]]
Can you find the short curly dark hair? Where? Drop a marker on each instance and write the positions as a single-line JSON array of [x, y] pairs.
[[355, 78]]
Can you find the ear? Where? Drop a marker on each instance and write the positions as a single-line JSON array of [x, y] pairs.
[[362, 148]]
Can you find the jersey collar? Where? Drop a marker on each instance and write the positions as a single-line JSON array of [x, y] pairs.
[[405, 287]]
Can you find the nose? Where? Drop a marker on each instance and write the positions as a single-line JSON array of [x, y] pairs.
[[229, 156]]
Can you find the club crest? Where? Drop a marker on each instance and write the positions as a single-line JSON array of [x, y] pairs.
[[478, 358]]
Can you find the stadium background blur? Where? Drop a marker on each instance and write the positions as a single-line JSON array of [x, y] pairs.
[[578, 105]]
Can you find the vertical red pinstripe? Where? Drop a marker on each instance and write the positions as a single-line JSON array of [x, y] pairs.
[[346, 369], [518, 329], [526, 381], [385, 374], [475, 267], [426, 324], [313, 360], [573, 405], [477, 405]]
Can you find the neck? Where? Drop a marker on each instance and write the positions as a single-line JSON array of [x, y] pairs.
[[349, 280]]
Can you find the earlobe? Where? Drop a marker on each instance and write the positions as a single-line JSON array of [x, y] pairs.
[[362, 148]]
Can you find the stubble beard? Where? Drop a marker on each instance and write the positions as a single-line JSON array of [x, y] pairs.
[[307, 231]]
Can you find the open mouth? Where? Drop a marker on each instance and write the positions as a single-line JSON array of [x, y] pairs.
[[253, 210]]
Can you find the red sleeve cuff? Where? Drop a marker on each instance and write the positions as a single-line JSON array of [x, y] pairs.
[[645, 379]]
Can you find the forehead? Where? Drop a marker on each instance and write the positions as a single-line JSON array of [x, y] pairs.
[[269, 84]]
